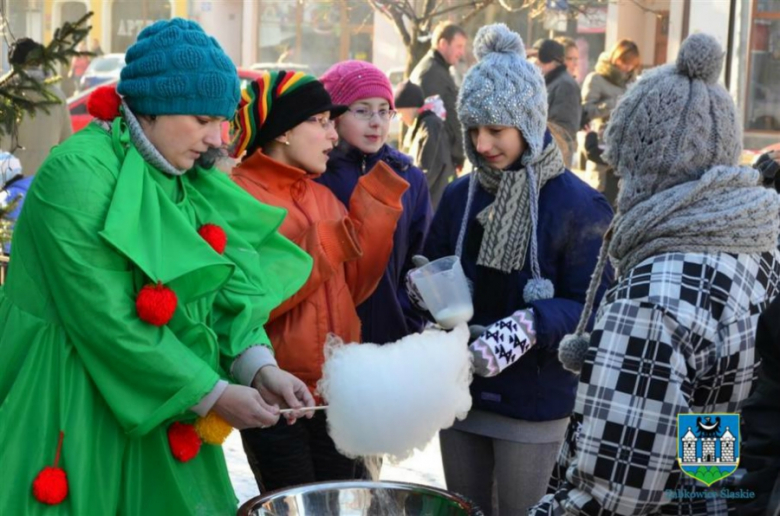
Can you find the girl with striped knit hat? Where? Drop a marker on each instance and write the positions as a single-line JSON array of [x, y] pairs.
[[284, 130]]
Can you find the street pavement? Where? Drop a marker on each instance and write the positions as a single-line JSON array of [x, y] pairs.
[[424, 467]]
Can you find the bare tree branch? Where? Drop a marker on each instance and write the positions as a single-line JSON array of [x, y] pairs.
[[430, 5], [410, 12], [476, 11], [390, 12], [646, 9], [507, 7], [476, 4]]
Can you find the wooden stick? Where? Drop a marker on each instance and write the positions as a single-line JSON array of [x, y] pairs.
[[289, 410]]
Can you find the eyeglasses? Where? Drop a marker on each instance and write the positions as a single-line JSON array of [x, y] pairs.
[[326, 123], [367, 114]]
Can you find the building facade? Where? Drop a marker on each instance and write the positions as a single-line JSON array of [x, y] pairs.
[[749, 31], [318, 33]]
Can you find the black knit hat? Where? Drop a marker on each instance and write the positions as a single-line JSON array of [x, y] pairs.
[[408, 95], [550, 50], [22, 48], [275, 103]]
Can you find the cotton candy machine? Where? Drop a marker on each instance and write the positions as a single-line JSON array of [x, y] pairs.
[[359, 498]]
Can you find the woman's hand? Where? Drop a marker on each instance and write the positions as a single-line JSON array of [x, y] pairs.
[[280, 388], [243, 407]]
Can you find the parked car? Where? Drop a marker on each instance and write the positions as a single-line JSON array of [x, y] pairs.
[[77, 104], [102, 69]]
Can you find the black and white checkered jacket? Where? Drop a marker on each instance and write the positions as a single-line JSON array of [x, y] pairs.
[[675, 335]]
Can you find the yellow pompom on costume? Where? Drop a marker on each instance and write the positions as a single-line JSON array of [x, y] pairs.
[[213, 429]]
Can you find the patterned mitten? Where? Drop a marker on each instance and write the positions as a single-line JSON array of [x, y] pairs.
[[503, 343]]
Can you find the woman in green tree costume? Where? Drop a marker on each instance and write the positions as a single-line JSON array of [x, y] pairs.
[[131, 324]]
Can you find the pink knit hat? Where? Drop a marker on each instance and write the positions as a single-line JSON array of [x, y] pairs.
[[349, 81]]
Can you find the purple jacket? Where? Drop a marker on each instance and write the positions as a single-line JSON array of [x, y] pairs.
[[387, 316]]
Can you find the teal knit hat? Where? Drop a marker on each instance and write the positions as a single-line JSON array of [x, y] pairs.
[[174, 68]]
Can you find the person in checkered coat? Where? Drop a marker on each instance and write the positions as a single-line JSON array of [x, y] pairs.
[[693, 244]]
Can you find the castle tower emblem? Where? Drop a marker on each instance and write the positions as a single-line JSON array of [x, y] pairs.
[[708, 445]]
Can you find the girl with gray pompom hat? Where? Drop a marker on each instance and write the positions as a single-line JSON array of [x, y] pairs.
[[693, 243], [527, 231]]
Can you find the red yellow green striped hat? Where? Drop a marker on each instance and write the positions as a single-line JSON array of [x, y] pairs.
[[275, 103]]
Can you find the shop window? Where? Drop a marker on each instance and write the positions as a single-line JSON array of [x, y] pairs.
[[763, 93], [129, 17], [768, 6]]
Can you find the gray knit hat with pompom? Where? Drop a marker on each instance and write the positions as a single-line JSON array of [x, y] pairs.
[[674, 124], [671, 127], [503, 88]]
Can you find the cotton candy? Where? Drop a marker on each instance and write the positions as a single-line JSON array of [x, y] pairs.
[[392, 399]]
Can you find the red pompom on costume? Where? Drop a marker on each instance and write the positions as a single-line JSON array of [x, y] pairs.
[[51, 484], [184, 441], [215, 236], [156, 304], [103, 103]]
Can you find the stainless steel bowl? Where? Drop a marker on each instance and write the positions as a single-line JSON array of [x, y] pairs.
[[359, 498]]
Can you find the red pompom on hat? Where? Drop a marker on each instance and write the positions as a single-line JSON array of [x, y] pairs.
[[184, 441], [156, 304], [51, 484], [103, 103], [215, 236]]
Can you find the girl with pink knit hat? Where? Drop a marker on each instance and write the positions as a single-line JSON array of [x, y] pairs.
[[387, 315]]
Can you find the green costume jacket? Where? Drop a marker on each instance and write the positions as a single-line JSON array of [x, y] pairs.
[[97, 225]]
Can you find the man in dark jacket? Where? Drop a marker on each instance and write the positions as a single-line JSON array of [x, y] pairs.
[[761, 415], [563, 93], [432, 74], [426, 139]]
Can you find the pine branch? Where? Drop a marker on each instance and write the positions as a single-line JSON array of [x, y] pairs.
[[22, 95]]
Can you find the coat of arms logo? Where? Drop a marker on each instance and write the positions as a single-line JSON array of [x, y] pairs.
[[708, 445]]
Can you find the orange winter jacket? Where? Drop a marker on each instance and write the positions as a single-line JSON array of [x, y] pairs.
[[350, 251]]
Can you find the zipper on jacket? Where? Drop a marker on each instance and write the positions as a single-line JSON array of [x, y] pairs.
[[325, 285], [363, 166]]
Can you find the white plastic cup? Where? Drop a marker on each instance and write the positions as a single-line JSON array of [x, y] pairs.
[[445, 290]]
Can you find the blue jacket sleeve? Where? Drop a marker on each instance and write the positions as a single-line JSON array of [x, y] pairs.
[[439, 243], [418, 231], [556, 317]]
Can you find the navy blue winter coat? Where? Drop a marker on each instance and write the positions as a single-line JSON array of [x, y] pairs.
[[387, 315], [572, 219]]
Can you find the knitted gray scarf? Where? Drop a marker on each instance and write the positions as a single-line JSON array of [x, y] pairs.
[[724, 211], [510, 221], [148, 152]]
